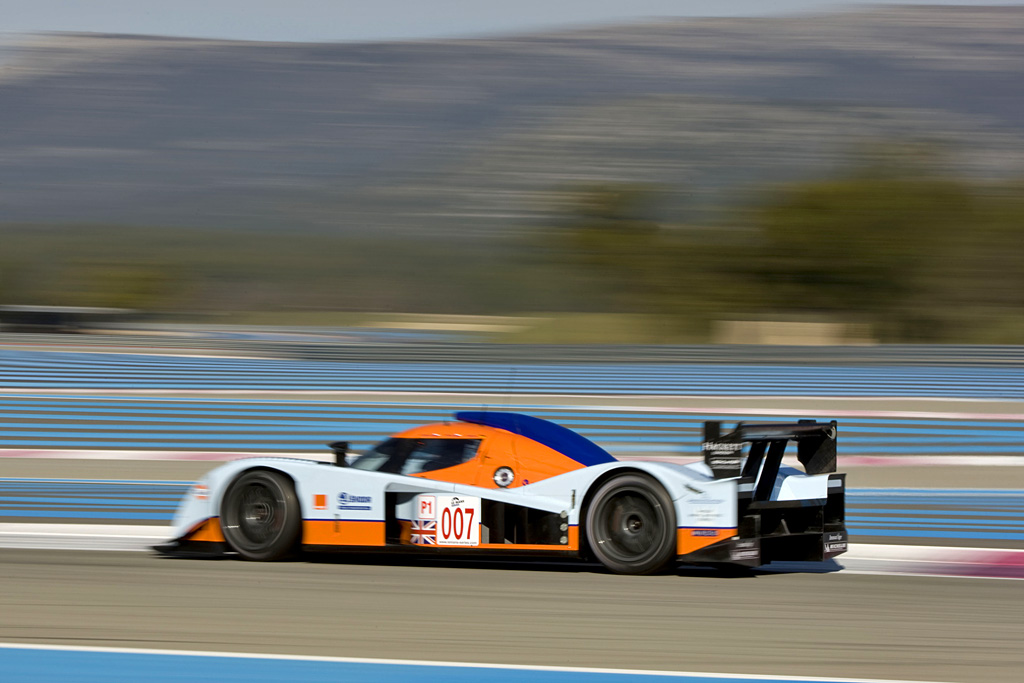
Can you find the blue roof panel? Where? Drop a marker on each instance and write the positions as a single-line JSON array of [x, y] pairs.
[[555, 437]]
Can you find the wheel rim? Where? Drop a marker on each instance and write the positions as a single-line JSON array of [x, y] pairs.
[[259, 518], [629, 526], [254, 514]]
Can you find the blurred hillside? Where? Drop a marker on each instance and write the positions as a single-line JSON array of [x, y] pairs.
[[836, 179], [477, 137]]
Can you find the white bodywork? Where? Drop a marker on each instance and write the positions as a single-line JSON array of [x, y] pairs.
[[346, 494]]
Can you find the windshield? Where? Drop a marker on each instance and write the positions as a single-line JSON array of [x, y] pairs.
[[412, 456], [378, 456]]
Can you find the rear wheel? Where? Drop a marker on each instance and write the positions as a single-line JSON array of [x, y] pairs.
[[631, 525], [260, 515]]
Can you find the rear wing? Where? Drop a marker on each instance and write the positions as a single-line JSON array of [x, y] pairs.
[[816, 447]]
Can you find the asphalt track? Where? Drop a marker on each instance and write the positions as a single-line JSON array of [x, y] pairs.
[[914, 628]]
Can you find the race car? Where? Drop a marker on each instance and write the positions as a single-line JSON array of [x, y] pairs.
[[500, 482]]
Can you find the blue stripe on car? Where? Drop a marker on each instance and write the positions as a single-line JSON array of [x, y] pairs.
[[554, 436]]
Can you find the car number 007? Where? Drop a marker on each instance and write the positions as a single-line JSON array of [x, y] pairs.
[[458, 520], [454, 525]]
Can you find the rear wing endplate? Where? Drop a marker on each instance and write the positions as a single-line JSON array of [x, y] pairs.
[[816, 446]]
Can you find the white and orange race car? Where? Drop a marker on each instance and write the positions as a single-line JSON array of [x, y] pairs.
[[512, 483]]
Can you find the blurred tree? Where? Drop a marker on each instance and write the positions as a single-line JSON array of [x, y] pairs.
[[866, 245], [920, 257], [981, 282], [646, 267], [610, 225], [609, 229], [139, 286]]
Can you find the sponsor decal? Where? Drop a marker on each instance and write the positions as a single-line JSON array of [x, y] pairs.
[[721, 446], [423, 532], [348, 501], [200, 492], [727, 462], [504, 477], [458, 520], [725, 458], [706, 512], [446, 520], [836, 542], [426, 507], [704, 532], [745, 550], [319, 501]]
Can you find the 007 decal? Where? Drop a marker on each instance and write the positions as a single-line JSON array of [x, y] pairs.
[[456, 519]]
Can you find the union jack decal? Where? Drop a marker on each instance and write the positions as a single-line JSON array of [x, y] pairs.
[[424, 532]]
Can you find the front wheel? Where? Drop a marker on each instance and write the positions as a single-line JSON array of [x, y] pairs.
[[631, 525], [260, 516]]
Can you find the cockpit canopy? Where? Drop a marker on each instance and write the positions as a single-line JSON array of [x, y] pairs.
[[406, 455], [488, 449]]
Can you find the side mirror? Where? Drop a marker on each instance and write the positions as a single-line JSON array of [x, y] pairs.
[[340, 449]]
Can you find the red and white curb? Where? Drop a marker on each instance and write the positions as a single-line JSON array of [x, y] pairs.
[[980, 563]]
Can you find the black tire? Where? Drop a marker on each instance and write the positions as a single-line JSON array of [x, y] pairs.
[[631, 525], [260, 516]]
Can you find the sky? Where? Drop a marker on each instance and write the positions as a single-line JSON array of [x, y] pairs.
[[358, 20]]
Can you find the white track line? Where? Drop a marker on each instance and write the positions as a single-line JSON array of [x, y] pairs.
[[119, 537], [461, 665]]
